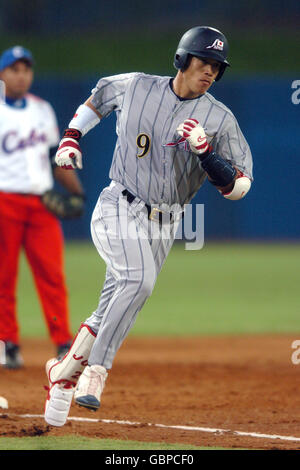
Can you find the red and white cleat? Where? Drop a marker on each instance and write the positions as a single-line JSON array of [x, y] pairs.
[[63, 376], [58, 404]]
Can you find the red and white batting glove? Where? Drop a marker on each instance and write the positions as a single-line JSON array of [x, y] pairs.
[[69, 155], [194, 133]]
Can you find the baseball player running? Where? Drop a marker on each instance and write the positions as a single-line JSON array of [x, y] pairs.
[[28, 132], [172, 135]]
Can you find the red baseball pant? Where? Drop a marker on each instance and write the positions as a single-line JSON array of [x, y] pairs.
[[26, 223]]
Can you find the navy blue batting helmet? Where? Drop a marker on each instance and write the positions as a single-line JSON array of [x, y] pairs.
[[203, 42]]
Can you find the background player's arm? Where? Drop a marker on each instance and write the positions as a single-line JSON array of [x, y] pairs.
[[69, 180]]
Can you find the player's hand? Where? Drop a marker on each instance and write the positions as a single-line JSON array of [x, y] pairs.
[[194, 133], [69, 155]]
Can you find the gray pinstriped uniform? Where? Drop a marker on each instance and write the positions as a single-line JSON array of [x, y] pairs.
[[153, 163]]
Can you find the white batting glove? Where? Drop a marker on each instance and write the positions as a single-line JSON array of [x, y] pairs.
[[68, 154], [194, 133]]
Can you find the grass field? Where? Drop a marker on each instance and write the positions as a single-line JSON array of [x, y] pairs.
[[84, 443], [228, 288], [222, 289]]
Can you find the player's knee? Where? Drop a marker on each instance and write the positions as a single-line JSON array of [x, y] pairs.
[[147, 283], [143, 282], [147, 288]]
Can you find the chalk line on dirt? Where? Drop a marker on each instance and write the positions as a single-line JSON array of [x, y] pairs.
[[166, 426]]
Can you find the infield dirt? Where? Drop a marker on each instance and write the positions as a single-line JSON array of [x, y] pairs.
[[242, 383]]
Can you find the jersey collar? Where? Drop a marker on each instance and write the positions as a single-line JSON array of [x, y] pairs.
[[179, 97], [19, 103]]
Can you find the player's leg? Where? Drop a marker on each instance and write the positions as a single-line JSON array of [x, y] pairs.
[[92, 381], [162, 239], [130, 261], [63, 375], [129, 258], [134, 281], [43, 243], [106, 294], [12, 218]]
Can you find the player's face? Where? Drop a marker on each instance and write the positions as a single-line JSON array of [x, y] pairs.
[[200, 75], [18, 79]]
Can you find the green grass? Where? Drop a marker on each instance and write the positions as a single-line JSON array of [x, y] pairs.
[[222, 289], [84, 443]]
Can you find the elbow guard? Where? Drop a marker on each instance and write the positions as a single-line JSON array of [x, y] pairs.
[[219, 170], [240, 189]]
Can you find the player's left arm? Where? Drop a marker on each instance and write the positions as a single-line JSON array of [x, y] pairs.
[[228, 168]]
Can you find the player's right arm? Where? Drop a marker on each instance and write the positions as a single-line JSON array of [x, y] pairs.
[[69, 154], [106, 97], [90, 105]]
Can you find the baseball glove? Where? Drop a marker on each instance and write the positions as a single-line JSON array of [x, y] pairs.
[[68, 206]]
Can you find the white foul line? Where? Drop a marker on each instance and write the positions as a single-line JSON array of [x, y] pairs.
[[184, 428]]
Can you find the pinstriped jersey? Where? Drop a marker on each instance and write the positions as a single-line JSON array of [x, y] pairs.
[[151, 159]]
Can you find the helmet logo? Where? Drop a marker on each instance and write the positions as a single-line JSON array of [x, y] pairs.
[[217, 44]]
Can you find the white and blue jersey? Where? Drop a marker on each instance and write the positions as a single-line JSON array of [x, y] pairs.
[[28, 129]]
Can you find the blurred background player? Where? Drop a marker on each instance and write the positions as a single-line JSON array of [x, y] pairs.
[[28, 132]]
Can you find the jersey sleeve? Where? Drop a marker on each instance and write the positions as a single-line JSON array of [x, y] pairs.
[[53, 130], [108, 94], [232, 146]]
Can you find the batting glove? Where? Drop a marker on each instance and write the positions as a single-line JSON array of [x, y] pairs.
[[194, 133], [69, 155]]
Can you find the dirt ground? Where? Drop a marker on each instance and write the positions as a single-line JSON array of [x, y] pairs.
[[245, 383]]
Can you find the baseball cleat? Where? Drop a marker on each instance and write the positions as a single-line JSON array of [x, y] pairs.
[[59, 399], [90, 387], [58, 404], [88, 401], [71, 365], [13, 357], [48, 366], [63, 375]]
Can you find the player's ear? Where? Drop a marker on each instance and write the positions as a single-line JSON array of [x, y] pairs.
[[187, 63]]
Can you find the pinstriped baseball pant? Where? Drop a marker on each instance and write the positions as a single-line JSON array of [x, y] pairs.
[[134, 256]]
